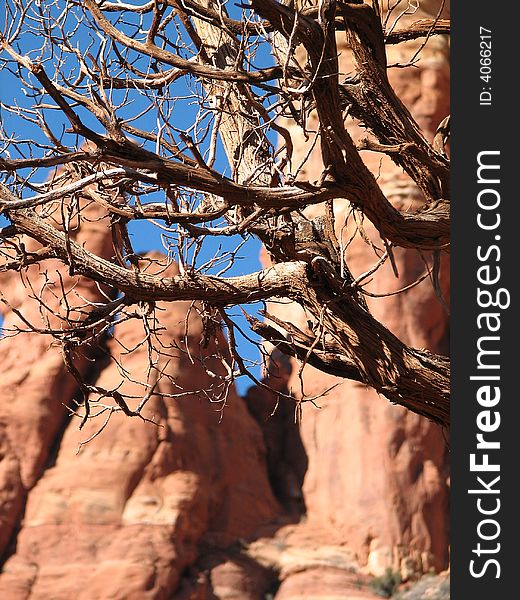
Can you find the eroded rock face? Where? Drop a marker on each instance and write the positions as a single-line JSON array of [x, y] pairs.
[[35, 386], [377, 474], [197, 508], [122, 519], [311, 583]]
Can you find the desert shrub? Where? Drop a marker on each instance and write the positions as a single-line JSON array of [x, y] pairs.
[[386, 585]]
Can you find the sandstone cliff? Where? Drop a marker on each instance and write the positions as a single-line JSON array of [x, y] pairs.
[[247, 506]]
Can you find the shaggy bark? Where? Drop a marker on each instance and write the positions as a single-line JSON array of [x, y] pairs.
[[261, 196]]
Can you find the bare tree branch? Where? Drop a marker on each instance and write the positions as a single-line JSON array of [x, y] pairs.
[[186, 116]]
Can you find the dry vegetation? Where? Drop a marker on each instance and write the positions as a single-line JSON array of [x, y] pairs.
[[174, 112]]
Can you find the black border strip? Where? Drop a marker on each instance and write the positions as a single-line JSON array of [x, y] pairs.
[[485, 522]]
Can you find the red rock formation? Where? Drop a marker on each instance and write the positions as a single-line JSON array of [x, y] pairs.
[[185, 508], [35, 386], [314, 583], [377, 474], [123, 517]]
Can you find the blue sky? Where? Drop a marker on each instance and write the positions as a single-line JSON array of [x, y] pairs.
[[145, 236]]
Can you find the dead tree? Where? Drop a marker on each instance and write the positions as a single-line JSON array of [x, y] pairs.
[[105, 89]]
